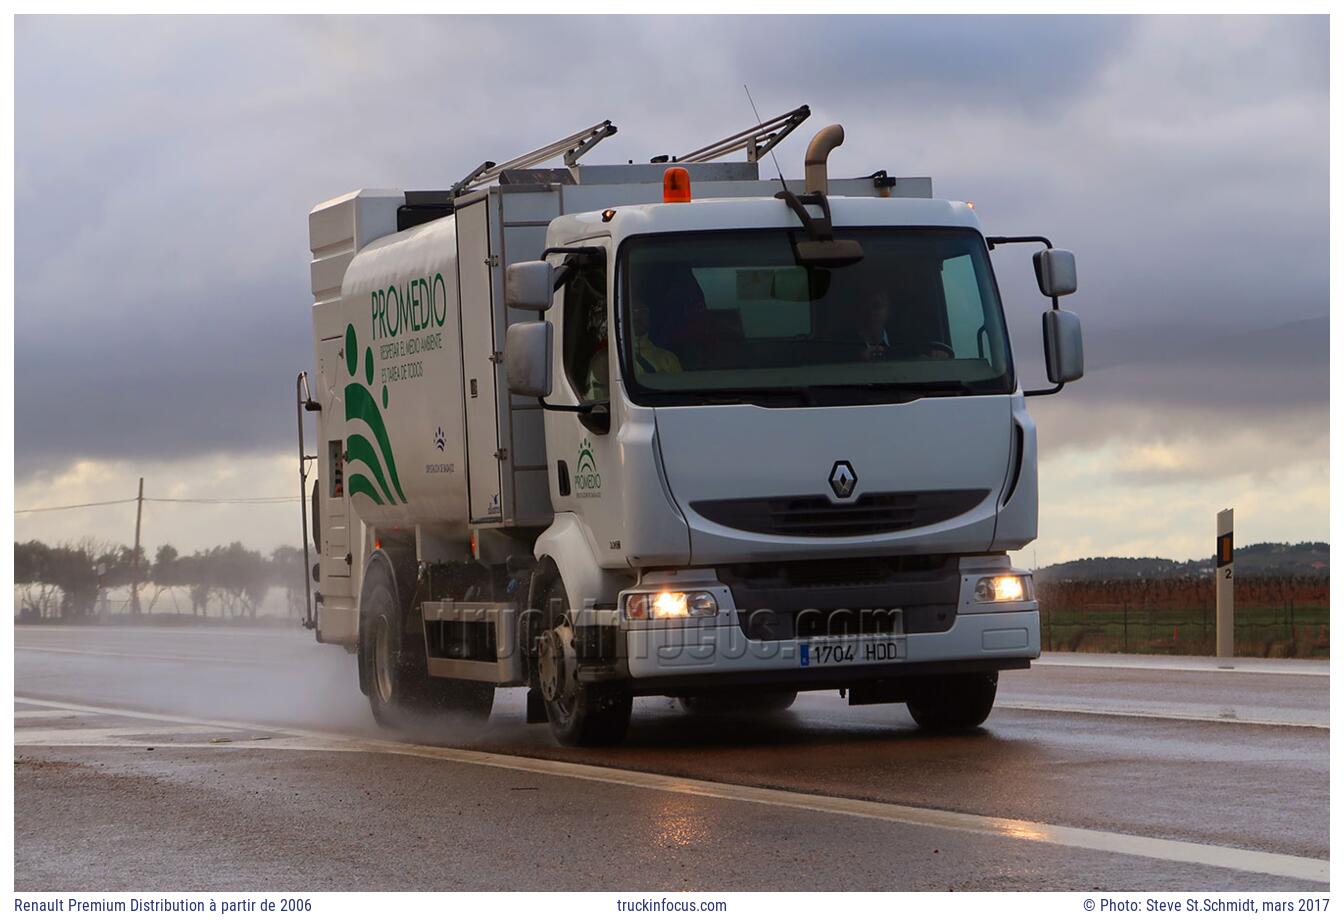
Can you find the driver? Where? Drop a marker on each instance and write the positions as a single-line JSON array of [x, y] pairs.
[[875, 336]]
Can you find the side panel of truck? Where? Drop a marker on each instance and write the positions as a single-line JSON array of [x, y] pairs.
[[520, 217], [336, 550]]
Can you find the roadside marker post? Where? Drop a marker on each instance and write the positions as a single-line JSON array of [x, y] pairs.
[[1223, 582]]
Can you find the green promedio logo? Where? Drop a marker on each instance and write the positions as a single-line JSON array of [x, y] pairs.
[[361, 404], [587, 480]]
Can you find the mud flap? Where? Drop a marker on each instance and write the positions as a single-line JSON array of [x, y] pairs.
[[536, 707]]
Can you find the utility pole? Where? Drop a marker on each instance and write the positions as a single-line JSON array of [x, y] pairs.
[[135, 556]]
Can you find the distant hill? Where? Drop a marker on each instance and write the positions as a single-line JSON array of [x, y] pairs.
[[1256, 559]]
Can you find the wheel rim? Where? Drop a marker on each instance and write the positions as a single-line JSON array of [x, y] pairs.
[[556, 667], [382, 660]]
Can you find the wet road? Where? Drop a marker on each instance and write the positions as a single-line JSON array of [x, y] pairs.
[[227, 758]]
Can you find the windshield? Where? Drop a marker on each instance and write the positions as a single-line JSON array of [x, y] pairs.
[[732, 316]]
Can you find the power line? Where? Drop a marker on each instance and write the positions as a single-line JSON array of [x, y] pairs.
[[259, 500], [119, 501]]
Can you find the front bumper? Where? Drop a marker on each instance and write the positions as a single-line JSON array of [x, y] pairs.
[[666, 656], [983, 641]]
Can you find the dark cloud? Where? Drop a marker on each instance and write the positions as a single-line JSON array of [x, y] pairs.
[[165, 167]]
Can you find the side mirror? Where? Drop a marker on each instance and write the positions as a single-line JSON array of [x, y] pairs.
[[529, 285], [1056, 273], [527, 357], [1063, 345]]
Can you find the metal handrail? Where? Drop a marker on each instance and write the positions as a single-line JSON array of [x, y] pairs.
[[303, 399], [758, 140], [572, 147]]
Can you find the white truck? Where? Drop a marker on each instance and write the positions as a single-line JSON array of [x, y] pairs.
[[671, 429]]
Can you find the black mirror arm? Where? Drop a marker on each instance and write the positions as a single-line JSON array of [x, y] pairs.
[[577, 254], [991, 242], [818, 228], [1046, 392], [584, 409]]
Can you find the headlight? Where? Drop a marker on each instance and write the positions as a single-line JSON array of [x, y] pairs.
[[670, 605], [1001, 588]]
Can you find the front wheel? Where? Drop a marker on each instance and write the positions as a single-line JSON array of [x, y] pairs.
[[580, 714], [953, 703]]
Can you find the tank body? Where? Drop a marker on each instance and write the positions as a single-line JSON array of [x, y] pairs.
[[403, 403]]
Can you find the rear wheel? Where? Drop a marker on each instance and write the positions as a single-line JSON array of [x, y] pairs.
[[579, 714], [954, 702], [396, 673], [751, 701]]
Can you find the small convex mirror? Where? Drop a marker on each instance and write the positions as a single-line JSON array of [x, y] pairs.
[[1056, 274], [527, 358], [529, 285], [1063, 346]]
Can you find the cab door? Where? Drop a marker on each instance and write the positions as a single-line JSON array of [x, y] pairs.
[[585, 456]]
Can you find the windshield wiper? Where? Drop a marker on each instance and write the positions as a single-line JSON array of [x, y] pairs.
[[909, 390], [736, 395]]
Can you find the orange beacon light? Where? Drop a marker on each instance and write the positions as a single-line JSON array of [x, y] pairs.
[[676, 184]]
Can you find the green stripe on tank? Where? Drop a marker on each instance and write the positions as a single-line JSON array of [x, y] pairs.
[[358, 484], [360, 404], [358, 448]]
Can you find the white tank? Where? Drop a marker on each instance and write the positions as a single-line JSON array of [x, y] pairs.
[[402, 394]]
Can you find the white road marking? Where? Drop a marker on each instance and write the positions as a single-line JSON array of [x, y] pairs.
[[1172, 715], [120, 736], [1132, 663], [1083, 709], [45, 714], [1233, 858]]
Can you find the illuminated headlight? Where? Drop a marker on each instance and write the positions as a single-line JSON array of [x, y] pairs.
[[670, 605], [1001, 588]]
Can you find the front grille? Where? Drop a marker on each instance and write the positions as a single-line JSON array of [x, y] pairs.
[[838, 597], [819, 516], [843, 622]]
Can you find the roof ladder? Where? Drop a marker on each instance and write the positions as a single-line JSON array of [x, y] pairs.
[[573, 147], [757, 141]]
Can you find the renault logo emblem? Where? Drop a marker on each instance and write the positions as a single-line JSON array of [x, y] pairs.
[[843, 479]]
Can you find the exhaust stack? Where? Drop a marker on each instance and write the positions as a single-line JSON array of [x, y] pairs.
[[814, 163]]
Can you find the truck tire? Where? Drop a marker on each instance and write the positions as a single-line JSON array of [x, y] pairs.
[[750, 701], [953, 703], [401, 692], [583, 715]]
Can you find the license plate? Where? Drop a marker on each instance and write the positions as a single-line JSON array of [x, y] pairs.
[[850, 651]]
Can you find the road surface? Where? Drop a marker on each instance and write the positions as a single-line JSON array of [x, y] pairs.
[[220, 759]]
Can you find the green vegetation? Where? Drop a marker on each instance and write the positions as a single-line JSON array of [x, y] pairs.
[[1289, 631], [64, 582]]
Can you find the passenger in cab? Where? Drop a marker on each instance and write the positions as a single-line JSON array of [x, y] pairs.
[[648, 357]]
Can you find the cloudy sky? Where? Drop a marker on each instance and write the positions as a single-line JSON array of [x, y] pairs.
[[165, 168]]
